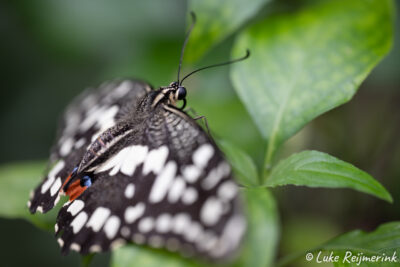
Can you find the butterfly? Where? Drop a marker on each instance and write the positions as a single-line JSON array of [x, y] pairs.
[[138, 168]]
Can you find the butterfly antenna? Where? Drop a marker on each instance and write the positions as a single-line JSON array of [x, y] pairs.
[[185, 42], [217, 65]]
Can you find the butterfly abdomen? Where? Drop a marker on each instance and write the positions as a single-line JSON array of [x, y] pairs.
[[103, 145]]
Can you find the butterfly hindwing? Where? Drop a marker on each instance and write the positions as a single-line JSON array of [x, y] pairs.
[[85, 118], [168, 186]]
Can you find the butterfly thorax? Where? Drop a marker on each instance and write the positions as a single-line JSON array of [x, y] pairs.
[[113, 139]]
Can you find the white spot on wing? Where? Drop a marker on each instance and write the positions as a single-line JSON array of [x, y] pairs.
[[125, 161], [181, 221], [95, 248], [111, 226], [136, 156], [103, 117], [191, 173], [206, 241], [55, 187], [125, 232], [215, 175], [122, 89], [162, 183], [193, 231], [57, 199], [176, 190], [189, 196], [231, 236], [66, 147], [202, 155], [211, 211], [133, 213], [80, 143], [155, 160], [114, 162], [76, 207], [163, 223], [78, 222], [146, 224], [227, 190], [98, 218], [75, 246], [129, 191], [51, 177]]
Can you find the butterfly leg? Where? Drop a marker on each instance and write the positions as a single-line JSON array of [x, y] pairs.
[[197, 117], [191, 110], [205, 122]]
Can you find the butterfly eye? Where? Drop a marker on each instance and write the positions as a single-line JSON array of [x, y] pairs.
[[181, 93]]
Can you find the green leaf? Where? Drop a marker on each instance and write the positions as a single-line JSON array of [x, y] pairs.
[[216, 20], [16, 181], [385, 240], [317, 169], [261, 242], [308, 62], [132, 256], [243, 165]]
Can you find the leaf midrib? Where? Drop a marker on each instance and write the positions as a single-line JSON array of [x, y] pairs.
[[279, 117]]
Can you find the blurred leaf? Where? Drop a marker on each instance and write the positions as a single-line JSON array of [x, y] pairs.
[[306, 63], [306, 231], [243, 165], [216, 20], [132, 256], [385, 240], [317, 169], [261, 242], [16, 181]]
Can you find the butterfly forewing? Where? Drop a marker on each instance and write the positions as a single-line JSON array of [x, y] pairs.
[[84, 119], [168, 186]]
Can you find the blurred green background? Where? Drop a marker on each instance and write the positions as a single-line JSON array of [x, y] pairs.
[[52, 50]]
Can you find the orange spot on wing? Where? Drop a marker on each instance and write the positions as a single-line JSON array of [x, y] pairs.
[[65, 182], [75, 190]]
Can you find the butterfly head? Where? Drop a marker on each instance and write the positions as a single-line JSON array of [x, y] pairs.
[[179, 91], [171, 95], [175, 92]]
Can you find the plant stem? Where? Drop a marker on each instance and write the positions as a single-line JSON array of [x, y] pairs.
[[268, 160]]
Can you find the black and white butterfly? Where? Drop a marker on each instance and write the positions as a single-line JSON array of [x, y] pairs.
[[139, 169]]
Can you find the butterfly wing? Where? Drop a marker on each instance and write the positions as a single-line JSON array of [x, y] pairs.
[[85, 118], [168, 187]]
